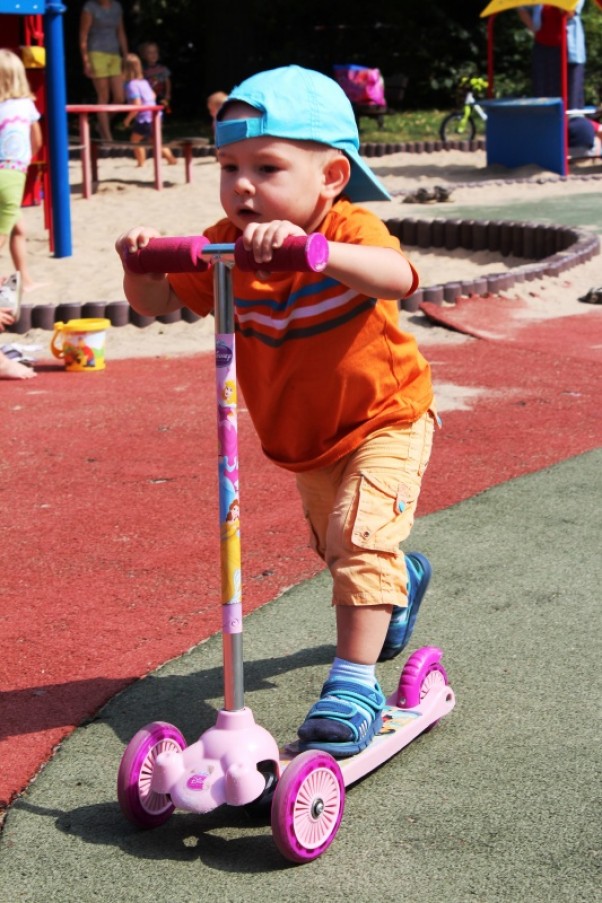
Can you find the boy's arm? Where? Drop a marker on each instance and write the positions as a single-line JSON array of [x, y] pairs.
[[151, 294], [372, 271], [368, 269]]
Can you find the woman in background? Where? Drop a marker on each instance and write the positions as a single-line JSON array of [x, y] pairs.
[[103, 46]]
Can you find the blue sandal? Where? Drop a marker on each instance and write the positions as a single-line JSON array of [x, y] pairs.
[[404, 619], [344, 720]]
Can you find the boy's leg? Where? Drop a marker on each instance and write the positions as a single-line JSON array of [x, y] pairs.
[[361, 631], [347, 715], [374, 497], [403, 619]]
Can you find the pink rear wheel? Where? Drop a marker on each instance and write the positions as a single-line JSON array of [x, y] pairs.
[[139, 803], [422, 673], [308, 806]]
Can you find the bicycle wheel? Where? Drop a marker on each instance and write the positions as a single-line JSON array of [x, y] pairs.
[[455, 126]]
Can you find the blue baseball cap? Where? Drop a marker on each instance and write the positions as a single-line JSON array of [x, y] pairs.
[[302, 105]]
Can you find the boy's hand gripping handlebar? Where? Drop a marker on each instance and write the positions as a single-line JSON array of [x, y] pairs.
[[306, 253]]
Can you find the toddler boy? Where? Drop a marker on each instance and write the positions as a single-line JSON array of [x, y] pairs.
[[338, 394]]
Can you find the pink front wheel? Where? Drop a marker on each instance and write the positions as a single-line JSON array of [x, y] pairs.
[[308, 806], [139, 803]]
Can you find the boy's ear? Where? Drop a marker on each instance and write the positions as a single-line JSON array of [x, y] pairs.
[[337, 173]]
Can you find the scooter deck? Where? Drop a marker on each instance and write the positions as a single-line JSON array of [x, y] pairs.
[[400, 727]]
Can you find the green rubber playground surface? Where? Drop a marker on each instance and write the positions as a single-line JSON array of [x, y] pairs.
[[581, 210]]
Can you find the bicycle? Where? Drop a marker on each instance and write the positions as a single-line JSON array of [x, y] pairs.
[[462, 123]]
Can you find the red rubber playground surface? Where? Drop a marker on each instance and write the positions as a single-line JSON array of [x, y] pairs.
[[109, 509]]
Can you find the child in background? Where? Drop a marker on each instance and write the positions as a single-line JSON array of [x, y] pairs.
[[584, 137], [157, 75], [139, 92], [20, 139], [215, 102], [338, 394], [103, 46]]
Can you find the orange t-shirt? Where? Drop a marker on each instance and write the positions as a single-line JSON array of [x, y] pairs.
[[320, 366]]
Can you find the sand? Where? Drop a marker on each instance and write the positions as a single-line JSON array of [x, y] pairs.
[[126, 197]]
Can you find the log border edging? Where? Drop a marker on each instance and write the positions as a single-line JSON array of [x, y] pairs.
[[548, 251]]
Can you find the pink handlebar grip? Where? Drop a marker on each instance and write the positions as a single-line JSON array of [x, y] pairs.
[[169, 255], [298, 254]]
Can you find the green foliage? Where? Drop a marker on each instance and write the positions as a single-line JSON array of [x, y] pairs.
[[434, 43], [411, 125], [592, 23], [431, 42]]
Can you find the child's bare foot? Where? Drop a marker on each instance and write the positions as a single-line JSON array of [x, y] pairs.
[[32, 286], [10, 369]]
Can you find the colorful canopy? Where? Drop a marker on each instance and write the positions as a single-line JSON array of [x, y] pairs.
[[499, 6]]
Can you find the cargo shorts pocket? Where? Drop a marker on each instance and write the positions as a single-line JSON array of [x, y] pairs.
[[377, 521]]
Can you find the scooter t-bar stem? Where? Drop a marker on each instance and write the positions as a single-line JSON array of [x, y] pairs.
[[307, 253]]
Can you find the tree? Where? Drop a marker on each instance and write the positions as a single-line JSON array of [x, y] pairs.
[[210, 48]]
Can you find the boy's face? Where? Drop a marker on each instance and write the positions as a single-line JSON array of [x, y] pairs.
[[265, 179]]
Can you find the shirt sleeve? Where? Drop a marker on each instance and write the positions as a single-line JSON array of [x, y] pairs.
[[355, 225], [34, 113]]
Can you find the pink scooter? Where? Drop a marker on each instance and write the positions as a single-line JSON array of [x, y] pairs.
[[237, 762]]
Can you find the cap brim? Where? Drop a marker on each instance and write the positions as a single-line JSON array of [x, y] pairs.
[[363, 184]]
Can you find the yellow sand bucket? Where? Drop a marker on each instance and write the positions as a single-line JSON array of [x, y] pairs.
[[82, 343]]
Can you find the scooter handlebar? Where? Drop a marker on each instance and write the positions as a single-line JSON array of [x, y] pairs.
[[306, 253], [299, 254], [168, 255]]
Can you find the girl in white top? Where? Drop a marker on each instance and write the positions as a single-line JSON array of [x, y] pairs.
[[20, 139]]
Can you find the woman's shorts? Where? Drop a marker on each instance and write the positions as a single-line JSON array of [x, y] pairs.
[[104, 65], [12, 186], [361, 509]]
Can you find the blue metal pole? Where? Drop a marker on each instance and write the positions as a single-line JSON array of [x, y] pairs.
[[58, 149]]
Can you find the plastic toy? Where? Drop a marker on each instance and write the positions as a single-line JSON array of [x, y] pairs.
[[237, 762]]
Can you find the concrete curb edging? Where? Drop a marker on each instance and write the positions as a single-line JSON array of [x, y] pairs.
[[548, 250], [382, 149]]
